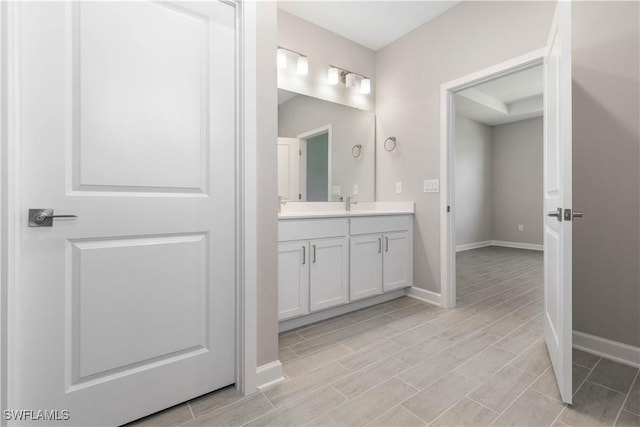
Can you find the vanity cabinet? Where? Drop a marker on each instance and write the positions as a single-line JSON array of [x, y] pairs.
[[293, 279], [329, 262], [381, 255]]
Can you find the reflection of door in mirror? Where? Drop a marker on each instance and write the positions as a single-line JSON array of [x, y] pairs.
[[315, 165], [289, 169]]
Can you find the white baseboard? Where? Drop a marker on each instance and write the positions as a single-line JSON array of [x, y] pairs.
[[613, 350], [475, 245], [298, 322], [424, 295], [269, 375], [518, 245]]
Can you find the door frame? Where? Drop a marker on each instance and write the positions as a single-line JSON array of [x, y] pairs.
[[447, 161], [247, 375], [303, 158]]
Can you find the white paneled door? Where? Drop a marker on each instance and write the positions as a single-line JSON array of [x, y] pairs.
[[289, 169], [557, 200], [127, 120]]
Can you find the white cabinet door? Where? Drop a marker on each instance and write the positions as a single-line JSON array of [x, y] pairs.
[[329, 278], [293, 279], [366, 266], [397, 261]]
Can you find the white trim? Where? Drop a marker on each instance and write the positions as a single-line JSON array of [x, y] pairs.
[[447, 155], [475, 245], [424, 295], [518, 245], [297, 322], [612, 350], [247, 377], [269, 375]]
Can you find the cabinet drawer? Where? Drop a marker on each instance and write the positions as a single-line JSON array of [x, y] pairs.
[[375, 224], [305, 229]]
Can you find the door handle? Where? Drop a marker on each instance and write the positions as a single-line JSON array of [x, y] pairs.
[[386, 243], [304, 255], [557, 213], [314, 253], [44, 217], [379, 244]]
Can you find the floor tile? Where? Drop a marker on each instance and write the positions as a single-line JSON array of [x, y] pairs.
[[235, 414], [372, 354], [174, 416], [286, 355], [593, 405], [322, 421], [419, 352], [473, 345], [584, 359], [303, 411], [367, 378], [485, 364], [633, 402], [530, 409], [535, 359], [298, 387], [518, 340], [289, 339], [432, 401], [325, 327], [500, 390], [613, 375], [373, 403], [216, 400], [433, 368], [627, 419], [397, 416], [466, 413], [314, 361]]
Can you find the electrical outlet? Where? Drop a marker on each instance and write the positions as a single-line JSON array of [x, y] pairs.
[[356, 189], [520, 227], [399, 187]]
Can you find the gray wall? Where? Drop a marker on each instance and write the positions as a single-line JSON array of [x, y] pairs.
[[349, 126], [473, 181], [606, 253], [516, 182], [409, 72], [267, 184]]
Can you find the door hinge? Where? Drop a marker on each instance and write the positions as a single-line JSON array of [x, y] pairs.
[[448, 208], [299, 196]]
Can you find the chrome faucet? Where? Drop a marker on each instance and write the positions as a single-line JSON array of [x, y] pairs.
[[281, 201], [350, 202]]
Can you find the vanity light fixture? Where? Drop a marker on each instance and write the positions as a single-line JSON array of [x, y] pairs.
[[302, 64], [349, 78], [282, 58], [333, 75]]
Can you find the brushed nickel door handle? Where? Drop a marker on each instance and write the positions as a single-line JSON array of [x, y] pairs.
[[44, 217]]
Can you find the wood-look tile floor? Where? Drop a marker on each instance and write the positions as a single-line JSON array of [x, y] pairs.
[[406, 363]]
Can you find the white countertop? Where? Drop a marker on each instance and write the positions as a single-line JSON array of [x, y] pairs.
[[298, 210]]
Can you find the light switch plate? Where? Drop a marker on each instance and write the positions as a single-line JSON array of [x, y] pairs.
[[336, 190], [399, 187], [431, 185], [356, 189]]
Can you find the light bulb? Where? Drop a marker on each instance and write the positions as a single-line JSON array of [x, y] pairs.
[[282, 58], [333, 76], [365, 86], [303, 65], [350, 80]]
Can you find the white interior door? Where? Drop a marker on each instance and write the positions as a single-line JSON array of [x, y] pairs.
[[557, 199], [289, 169], [127, 120]]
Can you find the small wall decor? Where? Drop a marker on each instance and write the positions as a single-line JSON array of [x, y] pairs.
[[390, 143]]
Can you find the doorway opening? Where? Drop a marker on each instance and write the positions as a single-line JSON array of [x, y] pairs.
[[315, 165], [498, 189]]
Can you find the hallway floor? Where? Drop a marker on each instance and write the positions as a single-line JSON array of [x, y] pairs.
[[406, 363]]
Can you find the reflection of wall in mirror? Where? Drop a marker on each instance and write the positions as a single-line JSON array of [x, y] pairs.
[[350, 126]]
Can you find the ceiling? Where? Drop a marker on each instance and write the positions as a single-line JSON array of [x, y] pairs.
[[507, 99], [373, 24]]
